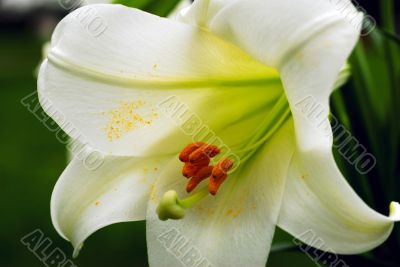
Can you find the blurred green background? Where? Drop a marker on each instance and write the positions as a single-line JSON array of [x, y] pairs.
[[31, 158]]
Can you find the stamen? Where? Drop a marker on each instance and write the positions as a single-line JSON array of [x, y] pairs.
[[189, 149], [189, 169], [208, 151], [201, 175], [272, 123], [219, 175], [197, 157]]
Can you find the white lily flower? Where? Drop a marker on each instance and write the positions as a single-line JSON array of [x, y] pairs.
[[241, 67]]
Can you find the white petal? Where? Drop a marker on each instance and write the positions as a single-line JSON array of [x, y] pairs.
[[104, 85], [233, 229], [91, 2], [322, 210], [308, 41], [394, 211], [200, 12], [85, 200]]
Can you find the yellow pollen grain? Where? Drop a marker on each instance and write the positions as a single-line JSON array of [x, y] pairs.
[[229, 212], [153, 193], [97, 203], [210, 212], [233, 213], [127, 117]]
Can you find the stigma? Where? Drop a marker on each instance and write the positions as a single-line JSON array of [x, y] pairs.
[[196, 158]]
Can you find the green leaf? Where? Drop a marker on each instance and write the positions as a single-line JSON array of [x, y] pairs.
[[282, 241], [391, 36], [156, 7]]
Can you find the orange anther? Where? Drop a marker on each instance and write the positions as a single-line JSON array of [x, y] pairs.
[[219, 175], [222, 167], [215, 183], [184, 155], [189, 170], [202, 174], [207, 151]]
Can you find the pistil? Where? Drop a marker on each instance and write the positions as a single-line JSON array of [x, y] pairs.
[[171, 207]]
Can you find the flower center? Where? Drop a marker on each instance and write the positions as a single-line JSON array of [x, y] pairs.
[[197, 157], [197, 167]]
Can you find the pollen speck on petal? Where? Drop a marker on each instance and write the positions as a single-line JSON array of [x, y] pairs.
[[127, 117]]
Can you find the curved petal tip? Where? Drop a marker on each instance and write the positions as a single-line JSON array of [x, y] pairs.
[[77, 250], [394, 211]]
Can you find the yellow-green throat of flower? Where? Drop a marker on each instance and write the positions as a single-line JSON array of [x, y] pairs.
[[197, 157]]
